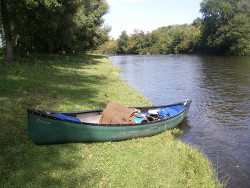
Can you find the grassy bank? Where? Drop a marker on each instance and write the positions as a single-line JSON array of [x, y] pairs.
[[73, 83]]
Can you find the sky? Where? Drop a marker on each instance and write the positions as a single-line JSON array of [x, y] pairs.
[[149, 15]]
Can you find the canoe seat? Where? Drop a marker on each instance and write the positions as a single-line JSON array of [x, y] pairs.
[[64, 117]]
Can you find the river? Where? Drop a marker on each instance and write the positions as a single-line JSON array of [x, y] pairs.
[[218, 122]]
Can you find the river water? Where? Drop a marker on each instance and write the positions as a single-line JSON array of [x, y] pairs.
[[218, 122]]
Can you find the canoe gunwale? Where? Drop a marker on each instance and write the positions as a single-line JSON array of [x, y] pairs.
[[48, 115]]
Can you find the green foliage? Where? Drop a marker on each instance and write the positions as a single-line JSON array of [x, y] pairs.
[[172, 39], [54, 26], [122, 43], [109, 47], [238, 30], [225, 28], [139, 43], [87, 21]]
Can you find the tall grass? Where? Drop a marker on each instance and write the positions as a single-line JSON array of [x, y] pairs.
[[71, 83]]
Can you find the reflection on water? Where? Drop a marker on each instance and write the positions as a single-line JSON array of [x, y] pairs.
[[219, 117]]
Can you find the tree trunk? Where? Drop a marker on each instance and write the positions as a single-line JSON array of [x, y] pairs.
[[7, 31]]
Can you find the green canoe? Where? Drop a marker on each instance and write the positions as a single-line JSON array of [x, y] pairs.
[[83, 126]]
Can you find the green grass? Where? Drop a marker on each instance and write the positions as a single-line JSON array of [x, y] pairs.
[[71, 83]]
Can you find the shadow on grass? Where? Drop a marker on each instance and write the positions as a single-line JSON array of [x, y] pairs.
[[45, 166], [50, 78], [58, 82]]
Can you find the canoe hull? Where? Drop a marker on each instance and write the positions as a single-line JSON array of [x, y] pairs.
[[43, 130]]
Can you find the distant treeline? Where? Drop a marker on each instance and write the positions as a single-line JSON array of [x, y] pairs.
[[223, 29], [52, 26]]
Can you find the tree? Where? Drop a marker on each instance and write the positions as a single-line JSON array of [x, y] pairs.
[[7, 30], [123, 43], [53, 26], [172, 39], [222, 30], [109, 47], [137, 43], [88, 22]]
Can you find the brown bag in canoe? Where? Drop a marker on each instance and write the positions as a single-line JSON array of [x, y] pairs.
[[115, 113]]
